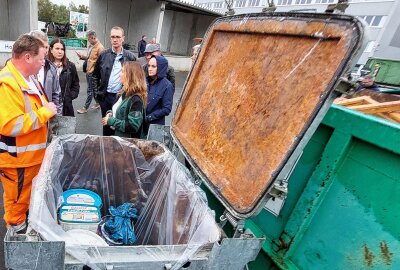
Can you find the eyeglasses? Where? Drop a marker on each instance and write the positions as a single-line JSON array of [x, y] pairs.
[[115, 37]]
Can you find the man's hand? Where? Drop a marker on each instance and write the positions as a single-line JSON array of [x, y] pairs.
[[81, 56], [51, 106]]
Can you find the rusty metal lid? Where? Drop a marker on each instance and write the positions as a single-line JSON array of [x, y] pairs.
[[256, 87]]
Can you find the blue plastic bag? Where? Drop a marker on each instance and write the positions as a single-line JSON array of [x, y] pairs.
[[119, 226]]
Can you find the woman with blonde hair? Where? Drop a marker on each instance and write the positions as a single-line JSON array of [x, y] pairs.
[[128, 112]]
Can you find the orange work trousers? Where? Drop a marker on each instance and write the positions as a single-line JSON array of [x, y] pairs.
[[17, 185]]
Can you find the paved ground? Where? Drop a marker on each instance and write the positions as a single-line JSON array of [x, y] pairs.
[[88, 123]]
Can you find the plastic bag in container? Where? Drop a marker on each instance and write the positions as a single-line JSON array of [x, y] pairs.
[[172, 210]]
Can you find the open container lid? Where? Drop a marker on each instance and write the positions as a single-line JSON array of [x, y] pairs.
[[256, 87]]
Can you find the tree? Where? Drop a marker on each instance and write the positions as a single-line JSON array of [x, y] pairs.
[[61, 14], [48, 12], [80, 8], [72, 6], [83, 9], [45, 10]]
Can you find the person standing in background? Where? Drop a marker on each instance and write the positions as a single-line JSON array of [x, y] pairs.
[[160, 92], [127, 114], [24, 115], [94, 51], [69, 80], [142, 46], [106, 73], [368, 83], [155, 49]]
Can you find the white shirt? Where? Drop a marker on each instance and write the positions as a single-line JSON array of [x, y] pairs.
[[115, 106], [32, 87], [40, 76]]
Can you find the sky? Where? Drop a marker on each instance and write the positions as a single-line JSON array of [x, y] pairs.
[[66, 2]]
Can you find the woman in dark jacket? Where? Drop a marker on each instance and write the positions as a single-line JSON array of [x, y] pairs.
[[69, 80], [160, 92], [127, 113]]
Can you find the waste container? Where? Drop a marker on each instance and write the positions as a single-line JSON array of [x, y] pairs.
[[174, 221], [259, 88], [341, 211]]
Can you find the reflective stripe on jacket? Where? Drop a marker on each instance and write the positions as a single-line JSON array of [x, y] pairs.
[[23, 121]]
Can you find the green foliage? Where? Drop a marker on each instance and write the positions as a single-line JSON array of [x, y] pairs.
[[62, 14], [83, 9], [80, 8], [71, 33], [49, 12], [45, 10]]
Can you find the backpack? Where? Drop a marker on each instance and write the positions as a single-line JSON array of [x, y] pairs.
[[142, 133]]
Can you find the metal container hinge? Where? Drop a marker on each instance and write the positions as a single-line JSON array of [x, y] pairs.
[[279, 191], [238, 224], [345, 86], [277, 197]]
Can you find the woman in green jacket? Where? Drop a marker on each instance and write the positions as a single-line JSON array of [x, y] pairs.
[[127, 113]]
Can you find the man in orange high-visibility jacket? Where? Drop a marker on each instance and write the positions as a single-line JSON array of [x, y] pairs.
[[24, 113]]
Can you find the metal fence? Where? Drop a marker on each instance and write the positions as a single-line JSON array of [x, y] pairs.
[[72, 42]]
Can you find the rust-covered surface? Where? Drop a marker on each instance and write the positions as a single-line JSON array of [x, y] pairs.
[[253, 91]]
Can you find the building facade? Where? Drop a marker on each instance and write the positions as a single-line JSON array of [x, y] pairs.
[[381, 16], [174, 24]]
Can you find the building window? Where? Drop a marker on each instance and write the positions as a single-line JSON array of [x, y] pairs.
[[373, 21], [284, 2], [254, 3], [376, 21], [218, 4], [324, 1], [303, 2], [241, 3], [368, 19], [207, 5]]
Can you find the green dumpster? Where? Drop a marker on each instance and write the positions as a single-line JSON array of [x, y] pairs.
[[387, 70], [342, 209]]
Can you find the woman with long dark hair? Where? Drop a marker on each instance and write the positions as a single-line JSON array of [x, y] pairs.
[[69, 80], [128, 112]]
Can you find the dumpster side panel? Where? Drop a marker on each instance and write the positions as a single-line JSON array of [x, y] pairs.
[[20, 254], [356, 224], [347, 215], [267, 222], [388, 70]]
